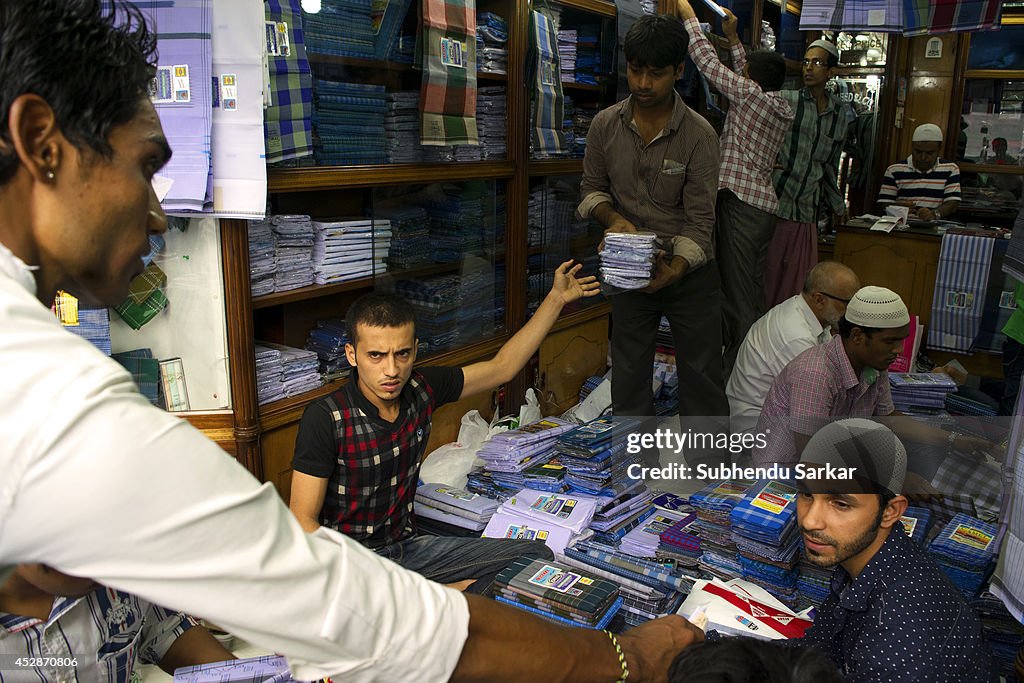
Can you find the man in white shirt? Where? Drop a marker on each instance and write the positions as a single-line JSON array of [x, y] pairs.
[[98, 483], [783, 333]]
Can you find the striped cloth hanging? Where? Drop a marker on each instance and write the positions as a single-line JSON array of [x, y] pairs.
[[287, 122], [448, 95], [546, 136], [949, 16], [960, 287]]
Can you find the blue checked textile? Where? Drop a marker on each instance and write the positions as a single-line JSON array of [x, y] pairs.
[[909, 17], [871, 15], [960, 286], [721, 495], [949, 16], [287, 121], [766, 513], [916, 522], [145, 371], [642, 571], [600, 625], [546, 133], [966, 542]]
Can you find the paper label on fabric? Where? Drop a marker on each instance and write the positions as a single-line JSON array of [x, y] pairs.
[[774, 498], [547, 72], [453, 53], [229, 92], [959, 299], [277, 39], [456, 493], [876, 17], [1006, 300], [555, 578], [182, 87], [731, 490], [971, 537], [658, 524], [162, 186], [909, 524], [161, 88], [65, 307], [521, 532]]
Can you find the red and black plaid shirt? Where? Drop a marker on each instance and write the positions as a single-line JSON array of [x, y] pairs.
[[372, 465]]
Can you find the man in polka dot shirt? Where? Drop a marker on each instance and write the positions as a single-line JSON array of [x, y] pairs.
[[891, 615]]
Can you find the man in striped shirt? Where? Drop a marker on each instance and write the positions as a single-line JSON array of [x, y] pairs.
[[807, 169], [758, 119], [926, 184]]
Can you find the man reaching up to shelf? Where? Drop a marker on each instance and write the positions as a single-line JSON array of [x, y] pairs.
[[358, 451]]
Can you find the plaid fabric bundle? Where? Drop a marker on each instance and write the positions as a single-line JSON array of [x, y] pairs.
[[974, 483], [143, 287], [596, 437], [782, 555], [546, 133], [960, 286], [557, 591], [615, 533], [448, 95], [836, 15], [965, 549], [287, 120], [634, 573], [916, 522], [145, 371], [814, 583], [682, 536], [949, 16], [137, 315], [767, 513]]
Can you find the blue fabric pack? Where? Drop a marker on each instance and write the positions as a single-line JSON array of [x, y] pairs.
[[916, 522], [767, 513], [965, 542]]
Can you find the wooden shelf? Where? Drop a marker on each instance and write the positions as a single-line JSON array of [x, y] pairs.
[[586, 87], [601, 7], [286, 410], [555, 167], [318, 291], [337, 177], [1004, 169], [489, 76], [860, 70], [1000, 74], [358, 62]]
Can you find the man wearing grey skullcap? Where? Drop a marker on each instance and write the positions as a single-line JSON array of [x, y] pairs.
[[845, 377], [928, 185], [807, 169], [891, 615]]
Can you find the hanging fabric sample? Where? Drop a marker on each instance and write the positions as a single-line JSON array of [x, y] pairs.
[[949, 16], [548, 103], [960, 286], [448, 52], [287, 120], [182, 96], [884, 16]]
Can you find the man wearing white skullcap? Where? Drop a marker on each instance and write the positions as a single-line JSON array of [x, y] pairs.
[[891, 614], [845, 377], [926, 184]]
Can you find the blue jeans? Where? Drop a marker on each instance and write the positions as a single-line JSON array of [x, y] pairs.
[[448, 559]]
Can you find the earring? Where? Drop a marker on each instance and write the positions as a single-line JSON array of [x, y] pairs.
[[50, 175]]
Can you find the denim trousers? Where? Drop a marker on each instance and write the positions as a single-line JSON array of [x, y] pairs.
[[450, 559]]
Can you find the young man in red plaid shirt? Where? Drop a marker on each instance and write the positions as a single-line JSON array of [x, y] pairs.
[[758, 119]]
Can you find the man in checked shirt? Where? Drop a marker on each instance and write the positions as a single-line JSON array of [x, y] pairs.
[[758, 119]]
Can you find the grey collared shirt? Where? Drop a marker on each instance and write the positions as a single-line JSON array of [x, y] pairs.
[[667, 186]]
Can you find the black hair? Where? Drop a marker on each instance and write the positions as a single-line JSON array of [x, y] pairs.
[[746, 660], [657, 41], [833, 61], [846, 328], [767, 68], [884, 498], [91, 60], [378, 310]]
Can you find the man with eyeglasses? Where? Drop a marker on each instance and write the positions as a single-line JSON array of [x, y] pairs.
[[807, 167], [846, 377], [799, 323]]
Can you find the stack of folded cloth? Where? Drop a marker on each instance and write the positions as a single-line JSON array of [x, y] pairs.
[[916, 522], [666, 373], [567, 55], [456, 216], [518, 449], [649, 588], [261, 258], [410, 236], [582, 116], [491, 108], [814, 583], [589, 385], [558, 593], [348, 123], [327, 340], [293, 252], [1003, 633], [300, 369], [959, 404], [595, 455], [549, 477], [454, 506], [479, 480], [920, 392], [94, 327], [491, 42], [714, 505], [588, 54], [645, 540], [402, 127], [355, 28], [765, 533], [269, 386], [627, 260], [965, 549], [557, 519], [350, 249], [681, 541], [621, 508]]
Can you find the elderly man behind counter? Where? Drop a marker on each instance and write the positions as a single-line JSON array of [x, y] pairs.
[[927, 185]]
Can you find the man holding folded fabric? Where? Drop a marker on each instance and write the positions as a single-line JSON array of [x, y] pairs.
[[758, 119], [651, 164], [358, 451]]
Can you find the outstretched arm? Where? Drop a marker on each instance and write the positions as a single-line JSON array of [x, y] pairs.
[[726, 81], [511, 358]]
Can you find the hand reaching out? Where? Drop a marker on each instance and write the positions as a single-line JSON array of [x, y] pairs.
[[569, 288]]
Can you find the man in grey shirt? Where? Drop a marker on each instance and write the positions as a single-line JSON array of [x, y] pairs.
[[652, 164]]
